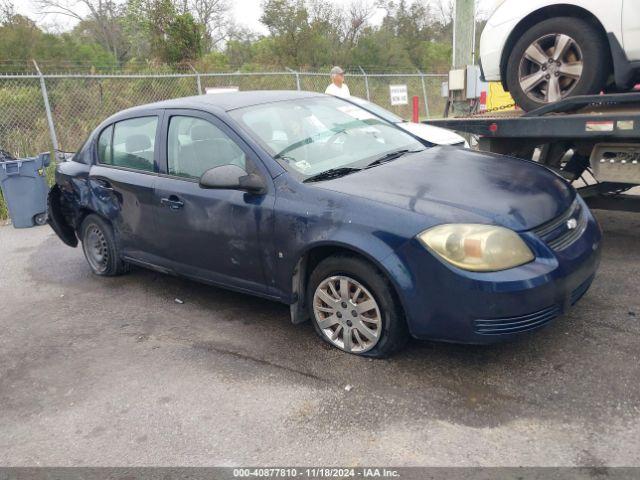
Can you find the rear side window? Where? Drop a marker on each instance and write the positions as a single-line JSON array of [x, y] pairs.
[[129, 144]]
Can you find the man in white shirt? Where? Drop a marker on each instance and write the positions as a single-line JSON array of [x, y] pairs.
[[337, 87]]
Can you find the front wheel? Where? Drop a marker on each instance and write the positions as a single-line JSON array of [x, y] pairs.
[[555, 59], [353, 307]]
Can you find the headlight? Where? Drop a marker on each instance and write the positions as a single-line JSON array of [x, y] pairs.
[[478, 248]]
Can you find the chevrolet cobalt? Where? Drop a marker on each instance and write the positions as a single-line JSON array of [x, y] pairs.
[[315, 202]]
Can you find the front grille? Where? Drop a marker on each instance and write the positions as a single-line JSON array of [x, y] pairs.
[[557, 233], [522, 323], [579, 292]]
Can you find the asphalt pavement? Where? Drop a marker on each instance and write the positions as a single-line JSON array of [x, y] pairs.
[[105, 372]]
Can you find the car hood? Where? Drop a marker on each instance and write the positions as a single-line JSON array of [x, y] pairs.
[[435, 135], [453, 185]]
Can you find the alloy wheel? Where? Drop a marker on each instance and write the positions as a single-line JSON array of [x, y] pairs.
[[551, 68], [347, 314]]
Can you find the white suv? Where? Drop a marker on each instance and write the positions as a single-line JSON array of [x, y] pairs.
[[544, 50]]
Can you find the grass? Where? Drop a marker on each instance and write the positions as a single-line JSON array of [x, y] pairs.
[[4, 213]]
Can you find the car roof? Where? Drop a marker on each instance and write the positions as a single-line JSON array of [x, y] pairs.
[[226, 101]]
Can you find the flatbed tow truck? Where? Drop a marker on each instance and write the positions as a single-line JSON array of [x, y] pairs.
[[593, 141]]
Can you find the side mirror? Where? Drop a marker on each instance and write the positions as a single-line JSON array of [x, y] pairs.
[[232, 177]]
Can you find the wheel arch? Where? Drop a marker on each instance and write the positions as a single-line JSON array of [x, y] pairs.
[[83, 212], [545, 13], [311, 257], [66, 213]]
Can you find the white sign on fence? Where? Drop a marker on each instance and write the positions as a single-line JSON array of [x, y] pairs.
[[214, 90], [399, 94]]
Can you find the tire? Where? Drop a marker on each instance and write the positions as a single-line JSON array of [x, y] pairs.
[[586, 46], [97, 234], [392, 333]]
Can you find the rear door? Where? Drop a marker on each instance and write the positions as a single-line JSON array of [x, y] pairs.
[[123, 179], [220, 236]]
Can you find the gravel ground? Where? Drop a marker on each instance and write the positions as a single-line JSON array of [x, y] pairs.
[[106, 372]]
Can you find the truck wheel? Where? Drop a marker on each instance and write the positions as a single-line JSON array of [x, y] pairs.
[[557, 58], [353, 307], [100, 247]]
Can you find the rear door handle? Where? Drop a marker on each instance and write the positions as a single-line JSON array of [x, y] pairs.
[[173, 202]]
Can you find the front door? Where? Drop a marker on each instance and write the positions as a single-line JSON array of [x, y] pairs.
[[214, 235], [123, 181]]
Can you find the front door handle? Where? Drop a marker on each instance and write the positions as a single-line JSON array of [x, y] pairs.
[[173, 202]]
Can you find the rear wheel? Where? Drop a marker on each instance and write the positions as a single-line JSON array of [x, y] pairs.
[[100, 247], [353, 307], [555, 59]]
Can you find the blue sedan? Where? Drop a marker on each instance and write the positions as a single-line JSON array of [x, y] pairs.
[[315, 202]]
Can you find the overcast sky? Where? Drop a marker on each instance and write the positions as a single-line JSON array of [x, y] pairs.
[[245, 12]]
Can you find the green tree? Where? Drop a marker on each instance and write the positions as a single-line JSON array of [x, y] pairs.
[[184, 40], [380, 49], [301, 33], [287, 22], [159, 16], [103, 19], [157, 30], [435, 57], [213, 62], [21, 40], [241, 47]]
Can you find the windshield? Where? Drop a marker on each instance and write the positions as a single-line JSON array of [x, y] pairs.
[[313, 135], [377, 110]]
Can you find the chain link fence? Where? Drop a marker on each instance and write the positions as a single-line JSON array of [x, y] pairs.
[[23, 123], [78, 103]]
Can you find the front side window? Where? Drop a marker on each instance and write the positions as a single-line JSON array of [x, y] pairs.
[[195, 145], [313, 135], [130, 145]]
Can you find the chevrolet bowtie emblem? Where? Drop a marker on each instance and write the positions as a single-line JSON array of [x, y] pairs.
[[572, 224]]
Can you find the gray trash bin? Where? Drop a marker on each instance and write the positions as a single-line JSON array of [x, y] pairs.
[[24, 187]]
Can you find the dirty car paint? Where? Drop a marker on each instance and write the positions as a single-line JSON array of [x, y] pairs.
[[259, 243]]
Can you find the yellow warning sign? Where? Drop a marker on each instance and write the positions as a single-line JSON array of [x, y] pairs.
[[497, 97]]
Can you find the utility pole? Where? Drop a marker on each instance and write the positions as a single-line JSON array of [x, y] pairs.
[[463, 27], [464, 19]]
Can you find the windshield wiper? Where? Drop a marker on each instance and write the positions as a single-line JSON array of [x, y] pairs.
[[331, 173], [389, 156]]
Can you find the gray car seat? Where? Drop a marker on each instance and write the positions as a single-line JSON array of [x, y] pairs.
[[209, 148], [139, 153]]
